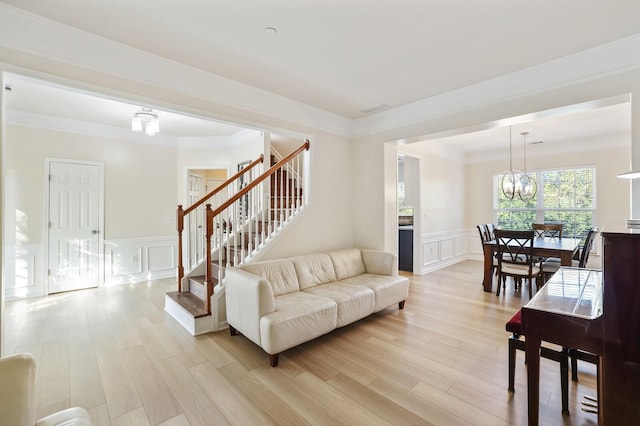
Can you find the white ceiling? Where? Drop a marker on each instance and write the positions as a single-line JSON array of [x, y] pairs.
[[343, 56]]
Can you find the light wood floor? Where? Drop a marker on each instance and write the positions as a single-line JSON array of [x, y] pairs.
[[442, 360]]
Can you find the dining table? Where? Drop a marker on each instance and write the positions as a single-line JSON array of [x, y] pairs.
[[563, 248]]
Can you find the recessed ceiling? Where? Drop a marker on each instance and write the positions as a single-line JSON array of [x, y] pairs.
[[351, 56], [590, 127], [43, 99]]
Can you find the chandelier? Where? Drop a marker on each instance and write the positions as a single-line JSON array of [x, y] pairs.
[[145, 120], [516, 183]]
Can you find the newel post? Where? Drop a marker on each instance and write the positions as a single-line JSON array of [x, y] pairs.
[[208, 278], [180, 227]]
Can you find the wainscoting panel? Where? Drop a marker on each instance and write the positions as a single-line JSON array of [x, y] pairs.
[[23, 272], [139, 259], [442, 249], [161, 257], [125, 261]]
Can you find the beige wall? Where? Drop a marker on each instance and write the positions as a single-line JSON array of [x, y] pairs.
[[442, 190], [612, 193], [326, 223], [373, 199], [140, 185], [214, 155], [141, 190]]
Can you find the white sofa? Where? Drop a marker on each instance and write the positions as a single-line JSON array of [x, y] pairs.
[[279, 304]]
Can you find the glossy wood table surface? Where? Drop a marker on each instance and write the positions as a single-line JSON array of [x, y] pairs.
[[563, 248], [566, 311]]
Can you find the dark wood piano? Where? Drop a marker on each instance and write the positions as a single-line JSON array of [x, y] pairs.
[[598, 312]]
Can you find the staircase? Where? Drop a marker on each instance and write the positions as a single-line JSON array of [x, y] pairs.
[[229, 226]]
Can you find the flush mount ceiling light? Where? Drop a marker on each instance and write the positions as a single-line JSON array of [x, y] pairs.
[[145, 120], [516, 183]]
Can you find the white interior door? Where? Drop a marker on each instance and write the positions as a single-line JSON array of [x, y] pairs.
[[196, 221], [75, 192]]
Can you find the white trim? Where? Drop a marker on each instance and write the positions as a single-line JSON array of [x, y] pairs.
[[155, 258], [21, 31], [441, 249], [608, 59], [23, 271], [140, 259], [45, 218]]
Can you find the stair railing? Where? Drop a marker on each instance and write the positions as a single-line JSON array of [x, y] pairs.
[[195, 214], [240, 226]]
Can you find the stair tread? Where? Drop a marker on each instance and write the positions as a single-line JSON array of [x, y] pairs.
[[190, 303]]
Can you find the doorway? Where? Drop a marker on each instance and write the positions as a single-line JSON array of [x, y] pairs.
[[74, 199], [201, 182], [408, 202]]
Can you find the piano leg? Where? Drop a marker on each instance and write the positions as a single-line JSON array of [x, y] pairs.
[[533, 378], [564, 379]]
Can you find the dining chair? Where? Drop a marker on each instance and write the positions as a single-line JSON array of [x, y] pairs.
[[490, 231], [484, 237], [514, 326], [515, 259], [547, 230], [551, 265], [482, 230]]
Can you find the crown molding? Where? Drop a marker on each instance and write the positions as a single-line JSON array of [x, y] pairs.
[[608, 59], [21, 31], [29, 33]]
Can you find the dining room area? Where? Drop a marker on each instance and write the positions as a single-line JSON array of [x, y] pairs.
[[537, 196]]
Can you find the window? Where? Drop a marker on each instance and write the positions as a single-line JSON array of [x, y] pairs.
[[564, 196]]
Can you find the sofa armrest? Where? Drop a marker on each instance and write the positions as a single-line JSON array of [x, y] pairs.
[[248, 298], [380, 262]]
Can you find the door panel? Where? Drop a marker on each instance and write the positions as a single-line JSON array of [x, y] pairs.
[[74, 226]]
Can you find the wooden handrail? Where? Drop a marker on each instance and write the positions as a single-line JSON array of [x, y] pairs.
[[261, 178], [224, 185], [211, 214], [182, 213]]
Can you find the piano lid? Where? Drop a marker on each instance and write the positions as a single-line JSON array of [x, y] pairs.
[[571, 291]]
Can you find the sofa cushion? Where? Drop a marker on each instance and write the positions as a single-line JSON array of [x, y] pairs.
[[281, 274], [299, 317], [388, 289], [314, 269], [354, 301], [347, 263]]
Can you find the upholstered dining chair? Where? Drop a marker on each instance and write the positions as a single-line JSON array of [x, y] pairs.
[[514, 326], [515, 259], [551, 265], [18, 394], [561, 355]]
